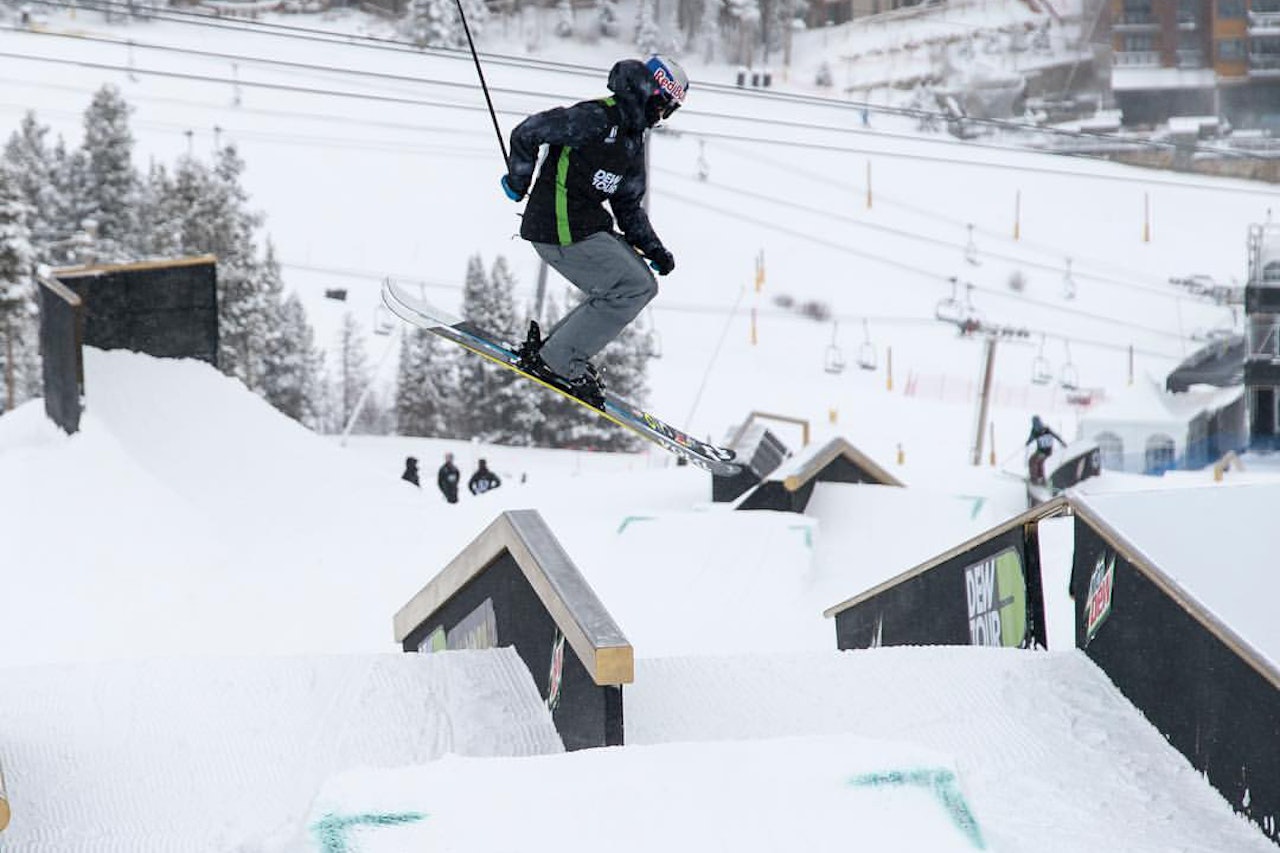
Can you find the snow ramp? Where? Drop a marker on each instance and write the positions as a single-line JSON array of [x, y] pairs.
[[226, 754]]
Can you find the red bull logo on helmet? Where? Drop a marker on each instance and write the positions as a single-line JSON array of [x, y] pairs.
[[667, 82]]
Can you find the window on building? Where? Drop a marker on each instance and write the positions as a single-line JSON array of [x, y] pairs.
[[1231, 50], [1271, 272], [1230, 8], [1188, 11], [1138, 43], [1161, 453], [1111, 449], [1140, 8]]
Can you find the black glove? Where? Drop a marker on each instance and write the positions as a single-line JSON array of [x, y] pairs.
[[660, 259], [513, 187]]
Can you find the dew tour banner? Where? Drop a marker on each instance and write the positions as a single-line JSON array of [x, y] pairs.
[[989, 595], [996, 593]]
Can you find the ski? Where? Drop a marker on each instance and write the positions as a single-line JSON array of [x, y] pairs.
[[417, 311]]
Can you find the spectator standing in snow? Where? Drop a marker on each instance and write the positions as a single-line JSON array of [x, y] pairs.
[[411, 470], [447, 479], [483, 480]]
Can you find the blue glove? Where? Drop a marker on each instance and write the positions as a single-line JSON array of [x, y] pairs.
[[512, 192]]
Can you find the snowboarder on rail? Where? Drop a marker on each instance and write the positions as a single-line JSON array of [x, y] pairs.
[[1043, 437], [595, 154]]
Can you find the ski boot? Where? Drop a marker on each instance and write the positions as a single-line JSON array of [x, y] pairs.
[[589, 387]]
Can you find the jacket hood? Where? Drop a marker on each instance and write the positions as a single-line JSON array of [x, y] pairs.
[[632, 83]]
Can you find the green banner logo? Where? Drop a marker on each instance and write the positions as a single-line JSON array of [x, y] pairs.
[[996, 593]]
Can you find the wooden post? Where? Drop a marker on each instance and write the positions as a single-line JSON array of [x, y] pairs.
[[760, 271], [868, 185], [888, 369], [1130, 364], [833, 415], [902, 455], [984, 400], [754, 337], [991, 459], [1017, 215], [1146, 217]]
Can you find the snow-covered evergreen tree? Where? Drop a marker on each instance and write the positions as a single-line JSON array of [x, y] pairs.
[[352, 374], [159, 220], [564, 18], [295, 383], [113, 179], [73, 203], [608, 18], [648, 37], [426, 386], [745, 30], [709, 29], [501, 406], [436, 23], [17, 257], [31, 156]]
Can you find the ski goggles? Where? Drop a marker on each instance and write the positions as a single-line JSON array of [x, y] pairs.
[[665, 104]]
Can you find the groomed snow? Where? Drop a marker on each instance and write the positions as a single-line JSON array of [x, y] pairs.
[[188, 519]]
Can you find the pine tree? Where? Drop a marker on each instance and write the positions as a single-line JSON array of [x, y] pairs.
[[159, 222], [113, 180], [501, 407], [295, 384], [353, 374], [608, 18], [73, 204], [648, 37], [426, 386], [29, 153], [436, 23], [709, 29], [16, 297]]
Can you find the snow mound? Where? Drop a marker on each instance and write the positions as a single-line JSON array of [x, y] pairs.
[[226, 754]]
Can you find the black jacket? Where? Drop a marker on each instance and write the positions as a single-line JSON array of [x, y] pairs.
[[483, 480], [447, 479], [595, 154]]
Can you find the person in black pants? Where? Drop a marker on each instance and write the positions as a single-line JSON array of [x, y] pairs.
[[447, 479]]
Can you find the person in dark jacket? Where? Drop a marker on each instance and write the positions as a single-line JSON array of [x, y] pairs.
[[410, 470], [447, 479], [1043, 437], [595, 153], [483, 480]]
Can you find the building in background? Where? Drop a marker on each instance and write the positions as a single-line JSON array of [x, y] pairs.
[[1196, 58]]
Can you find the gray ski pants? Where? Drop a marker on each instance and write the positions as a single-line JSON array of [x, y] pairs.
[[617, 284]]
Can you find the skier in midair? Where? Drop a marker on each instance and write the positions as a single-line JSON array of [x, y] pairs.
[[595, 154]]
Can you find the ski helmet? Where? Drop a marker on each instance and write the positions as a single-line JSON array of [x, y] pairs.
[[671, 84]]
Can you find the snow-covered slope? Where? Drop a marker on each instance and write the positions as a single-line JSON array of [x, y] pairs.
[[223, 754]]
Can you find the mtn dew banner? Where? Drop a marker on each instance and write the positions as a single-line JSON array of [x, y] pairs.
[[987, 592]]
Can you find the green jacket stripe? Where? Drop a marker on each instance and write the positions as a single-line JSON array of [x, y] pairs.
[[562, 198]]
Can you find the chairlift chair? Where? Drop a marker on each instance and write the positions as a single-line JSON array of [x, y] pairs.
[[833, 361], [1069, 378], [950, 310], [866, 352], [1041, 371]]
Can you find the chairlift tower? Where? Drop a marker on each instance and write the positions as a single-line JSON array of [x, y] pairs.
[[1262, 337]]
